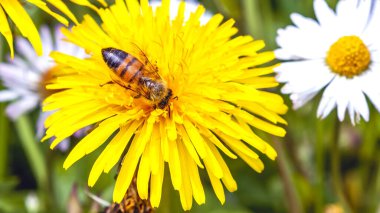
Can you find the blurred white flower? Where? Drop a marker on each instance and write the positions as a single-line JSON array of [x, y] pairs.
[[32, 204], [25, 77], [191, 6], [339, 54]]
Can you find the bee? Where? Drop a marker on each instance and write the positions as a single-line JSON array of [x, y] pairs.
[[131, 203], [133, 74]]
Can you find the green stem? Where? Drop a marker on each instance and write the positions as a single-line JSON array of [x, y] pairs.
[[367, 156], [34, 156], [369, 159], [3, 143], [291, 197], [268, 24], [32, 151], [335, 167], [252, 17], [320, 168], [375, 191]]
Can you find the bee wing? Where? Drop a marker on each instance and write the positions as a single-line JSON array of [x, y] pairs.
[[115, 78], [138, 90], [150, 69]]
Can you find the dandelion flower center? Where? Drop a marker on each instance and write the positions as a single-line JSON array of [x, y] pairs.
[[348, 56]]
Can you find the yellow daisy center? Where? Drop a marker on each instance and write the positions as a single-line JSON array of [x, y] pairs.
[[348, 56], [47, 78]]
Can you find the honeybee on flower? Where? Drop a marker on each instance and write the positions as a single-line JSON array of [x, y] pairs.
[[135, 75]]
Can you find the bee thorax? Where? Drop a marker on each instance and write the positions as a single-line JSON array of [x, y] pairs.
[[157, 89]]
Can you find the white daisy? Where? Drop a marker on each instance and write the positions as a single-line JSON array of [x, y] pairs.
[[25, 77], [339, 54]]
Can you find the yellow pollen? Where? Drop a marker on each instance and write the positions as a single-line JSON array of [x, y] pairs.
[[348, 56]]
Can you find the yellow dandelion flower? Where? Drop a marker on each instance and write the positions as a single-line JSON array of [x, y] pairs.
[[217, 99], [15, 11]]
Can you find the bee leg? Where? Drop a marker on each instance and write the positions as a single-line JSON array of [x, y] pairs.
[[130, 88], [137, 96], [109, 82]]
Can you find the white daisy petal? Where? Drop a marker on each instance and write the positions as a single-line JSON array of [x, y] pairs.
[[353, 15], [304, 75], [340, 95], [370, 86], [40, 128], [13, 76], [66, 47], [58, 37], [15, 109], [284, 54], [360, 104], [372, 32], [363, 14], [304, 23], [64, 145], [300, 99], [47, 41], [44, 63], [353, 115], [335, 92], [25, 49], [297, 43], [303, 83], [345, 9], [347, 95], [325, 15], [326, 105], [8, 95], [20, 63], [375, 55]]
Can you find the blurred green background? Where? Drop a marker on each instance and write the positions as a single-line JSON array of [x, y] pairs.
[[300, 180]]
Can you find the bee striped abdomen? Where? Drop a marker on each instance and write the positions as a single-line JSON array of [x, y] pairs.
[[132, 74], [125, 65]]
